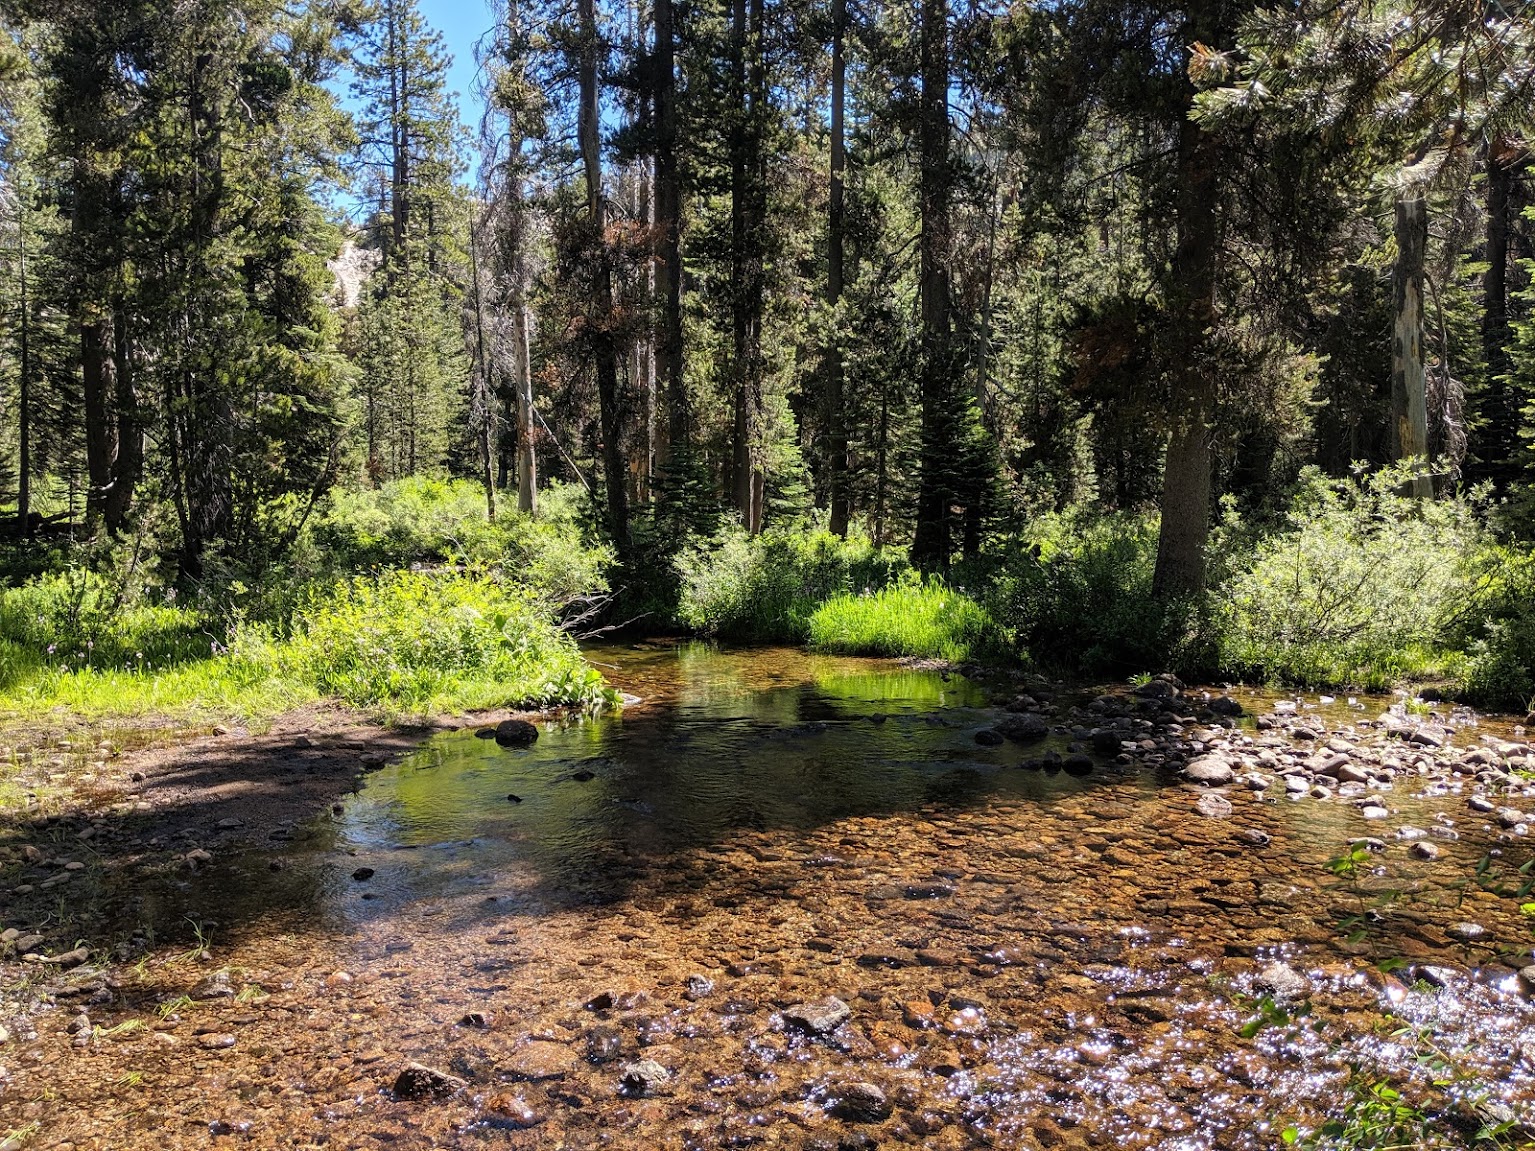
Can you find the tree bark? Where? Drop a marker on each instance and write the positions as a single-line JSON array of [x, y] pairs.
[[668, 238], [747, 220], [932, 543], [1186, 474], [1500, 417], [615, 473], [527, 461], [130, 429], [24, 391], [97, 388], [836, 414], [485, 400], [1409, 393], [399, 139]]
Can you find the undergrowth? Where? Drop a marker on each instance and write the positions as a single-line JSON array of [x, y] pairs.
[[919, 619]]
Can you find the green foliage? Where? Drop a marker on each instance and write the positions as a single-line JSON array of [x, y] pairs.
[[1076, 590], [419, 641], [421, 521], [765, 589], [1360, 587], [923, 619], [79, 619], [1501, 668]]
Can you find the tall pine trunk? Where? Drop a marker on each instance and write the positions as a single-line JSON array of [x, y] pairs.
[[604, 351], [1500, 415], [24, 390], [747, 220], [98, 390], [527, 462], [932, 542], [836, 414], [1409, 393], [1186, 475], [483, 405], [668, 239]]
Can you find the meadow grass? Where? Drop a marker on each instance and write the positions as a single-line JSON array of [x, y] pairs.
[[393, 645], [919, 620]]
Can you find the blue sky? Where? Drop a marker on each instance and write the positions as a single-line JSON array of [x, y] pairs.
[[461, 22]]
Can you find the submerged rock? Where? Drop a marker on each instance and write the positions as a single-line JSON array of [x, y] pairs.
[[1024, 728], [1283, 981], [858, 1103], [516, 733], [1213, 806], [416, 1081], [818, 1017], [643, 1077]]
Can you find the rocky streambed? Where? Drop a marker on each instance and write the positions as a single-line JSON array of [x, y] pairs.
[[792, 901]]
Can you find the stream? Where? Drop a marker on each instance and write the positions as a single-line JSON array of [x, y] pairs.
[[789, 900]]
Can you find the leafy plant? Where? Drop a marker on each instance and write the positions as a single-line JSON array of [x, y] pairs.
[[912, 618], [1361, 587]]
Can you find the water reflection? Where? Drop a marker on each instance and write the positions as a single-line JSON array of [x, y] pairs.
[[723, 741]]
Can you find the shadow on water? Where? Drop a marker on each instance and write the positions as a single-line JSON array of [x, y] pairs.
[[723, 742], [726, 742]]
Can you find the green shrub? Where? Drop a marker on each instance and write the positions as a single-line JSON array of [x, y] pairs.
[[764, 589], [427, 522], [1499, 634], [1363, 586], [1076, 590], [420, 641], [924, 620]]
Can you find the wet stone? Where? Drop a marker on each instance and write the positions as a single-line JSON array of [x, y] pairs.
[[1210, 770], [536, 1060], [416, 1081], [515, 733], [643, 1077], [1214, 806], [512, 1111], [858, 1102], [927, 890], [1283, 981], [818, 1017], [1024, 728], [604, 1044]]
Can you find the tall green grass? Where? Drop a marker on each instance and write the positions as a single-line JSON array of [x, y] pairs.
[[394, 644], [425, 642], [764, 589], [921, 620]]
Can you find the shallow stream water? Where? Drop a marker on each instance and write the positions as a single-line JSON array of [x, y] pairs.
[[1029, 959]]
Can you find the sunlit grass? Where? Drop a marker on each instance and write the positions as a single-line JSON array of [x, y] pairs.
[[399, 644], [924, 621]]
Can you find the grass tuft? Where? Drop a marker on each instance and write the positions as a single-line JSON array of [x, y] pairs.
[[920, 620]]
